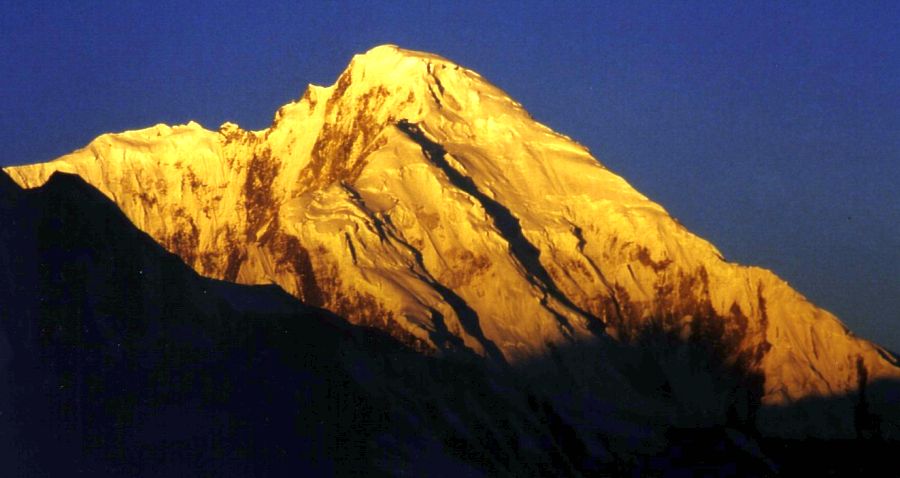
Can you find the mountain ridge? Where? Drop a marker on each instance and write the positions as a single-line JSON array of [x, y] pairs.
[[414, 196]]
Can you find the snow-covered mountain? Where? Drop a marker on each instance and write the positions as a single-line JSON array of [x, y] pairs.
[[414, 196]]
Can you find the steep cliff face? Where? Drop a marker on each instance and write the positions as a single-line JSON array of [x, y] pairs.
[[414, 196]]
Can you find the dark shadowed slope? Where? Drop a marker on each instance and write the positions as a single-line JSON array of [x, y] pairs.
[[117, 360]]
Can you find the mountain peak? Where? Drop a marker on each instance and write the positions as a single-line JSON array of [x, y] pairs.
[[385, 57], [417, 84], [409, 83], [392, 50]]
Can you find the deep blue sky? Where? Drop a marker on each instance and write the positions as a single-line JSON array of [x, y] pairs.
[[771, 129]]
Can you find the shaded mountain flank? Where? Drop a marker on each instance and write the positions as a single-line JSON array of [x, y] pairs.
[[118, 360]]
